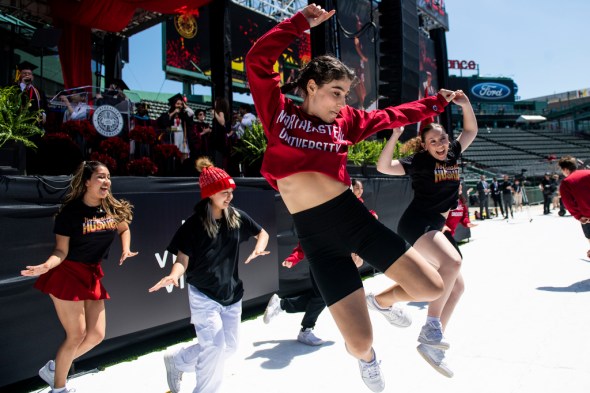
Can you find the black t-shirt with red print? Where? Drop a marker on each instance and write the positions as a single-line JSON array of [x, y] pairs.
[[435, 183], [90, 230]]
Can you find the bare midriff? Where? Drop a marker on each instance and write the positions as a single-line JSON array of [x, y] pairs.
[[305, 190]]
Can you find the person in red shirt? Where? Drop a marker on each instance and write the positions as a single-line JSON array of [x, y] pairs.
[[575, 192], [305, 161], [85, 228]]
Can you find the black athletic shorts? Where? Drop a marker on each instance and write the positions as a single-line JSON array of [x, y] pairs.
[[453, 242], [586, 229], [330, 232], [416, 222]]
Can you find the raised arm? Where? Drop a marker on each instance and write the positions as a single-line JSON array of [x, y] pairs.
[[264, 82], [469, 121], [365, 124], [385, 163]]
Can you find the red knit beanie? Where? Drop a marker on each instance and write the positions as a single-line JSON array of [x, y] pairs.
[[212, 179]]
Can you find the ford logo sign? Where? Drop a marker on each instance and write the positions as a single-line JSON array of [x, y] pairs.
[[490, 91]]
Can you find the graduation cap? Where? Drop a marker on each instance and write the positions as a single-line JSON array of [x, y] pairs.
[[25, 65], [172, 100], [120, 83]]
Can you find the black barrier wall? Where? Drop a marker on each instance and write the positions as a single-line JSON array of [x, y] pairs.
[[31, 331]]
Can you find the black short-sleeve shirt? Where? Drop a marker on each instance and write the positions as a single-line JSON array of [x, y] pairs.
[[435, 183], [504, 187], [90, 230], [213, 263]]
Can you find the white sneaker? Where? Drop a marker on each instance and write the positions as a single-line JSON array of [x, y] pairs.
[[272, 309], [46, 374], [173, 374], [63, 391], [431, 334], [371, 374], [395, 315], [307, 337], [435, 357]]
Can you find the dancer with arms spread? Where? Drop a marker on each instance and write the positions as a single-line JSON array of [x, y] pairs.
[[84, 229], [305, 161], [207, 249]]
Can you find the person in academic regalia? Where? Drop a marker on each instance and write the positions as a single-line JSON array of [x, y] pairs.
[[25, 81]]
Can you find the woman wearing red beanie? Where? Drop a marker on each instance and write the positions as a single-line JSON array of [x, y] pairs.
[[207, 250]]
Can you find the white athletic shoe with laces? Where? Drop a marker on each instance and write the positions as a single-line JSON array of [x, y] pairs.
[[431, 334], [46, 374], [272, 309], [371, 374], [395, 315], [307, 337], [436, 358], [173, 374]]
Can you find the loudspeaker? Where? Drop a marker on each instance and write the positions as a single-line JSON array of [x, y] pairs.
[[46, 37], [398, 52]]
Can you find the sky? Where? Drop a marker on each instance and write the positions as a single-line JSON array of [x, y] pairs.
[[541, 44]]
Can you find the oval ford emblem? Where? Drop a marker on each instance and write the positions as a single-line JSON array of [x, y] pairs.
[[490, 91]]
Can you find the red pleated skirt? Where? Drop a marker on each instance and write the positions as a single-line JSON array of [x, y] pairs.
[[73, 281]]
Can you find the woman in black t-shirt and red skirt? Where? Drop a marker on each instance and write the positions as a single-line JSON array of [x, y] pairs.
[[435, 180], [84, 229]]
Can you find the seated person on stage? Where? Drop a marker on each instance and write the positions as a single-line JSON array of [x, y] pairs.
[[76, 105], [113, 95], [141, 116]]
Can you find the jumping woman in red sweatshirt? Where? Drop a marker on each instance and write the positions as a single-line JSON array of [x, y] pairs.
[[305, 161]]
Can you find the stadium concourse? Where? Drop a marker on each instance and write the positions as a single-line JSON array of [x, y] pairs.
[[520, 328]]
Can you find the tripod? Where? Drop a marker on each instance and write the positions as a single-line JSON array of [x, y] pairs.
[[525, 202]]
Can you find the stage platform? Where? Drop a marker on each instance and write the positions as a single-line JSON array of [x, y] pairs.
[[520, 328]]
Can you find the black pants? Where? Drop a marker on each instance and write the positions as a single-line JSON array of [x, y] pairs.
[[310, 302], [547, 203], [484, 202], [498, 202], [507, 201]]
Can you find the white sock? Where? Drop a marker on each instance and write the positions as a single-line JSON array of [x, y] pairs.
[[52, 366], [59, 390], [434, 320]]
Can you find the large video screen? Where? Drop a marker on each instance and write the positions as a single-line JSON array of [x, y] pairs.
[[357, 33], [428, 68], [187, 47]]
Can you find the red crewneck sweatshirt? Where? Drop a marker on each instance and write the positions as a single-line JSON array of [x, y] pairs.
[[298, 142], [575, 193]]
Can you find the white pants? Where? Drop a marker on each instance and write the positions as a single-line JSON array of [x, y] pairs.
[[217, 332]]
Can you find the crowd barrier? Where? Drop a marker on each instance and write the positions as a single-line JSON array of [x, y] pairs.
[[31, 331]]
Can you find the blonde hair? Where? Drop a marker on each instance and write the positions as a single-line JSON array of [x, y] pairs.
[[120, 210]]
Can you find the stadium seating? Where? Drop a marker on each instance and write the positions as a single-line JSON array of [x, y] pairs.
[[511, 150]]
